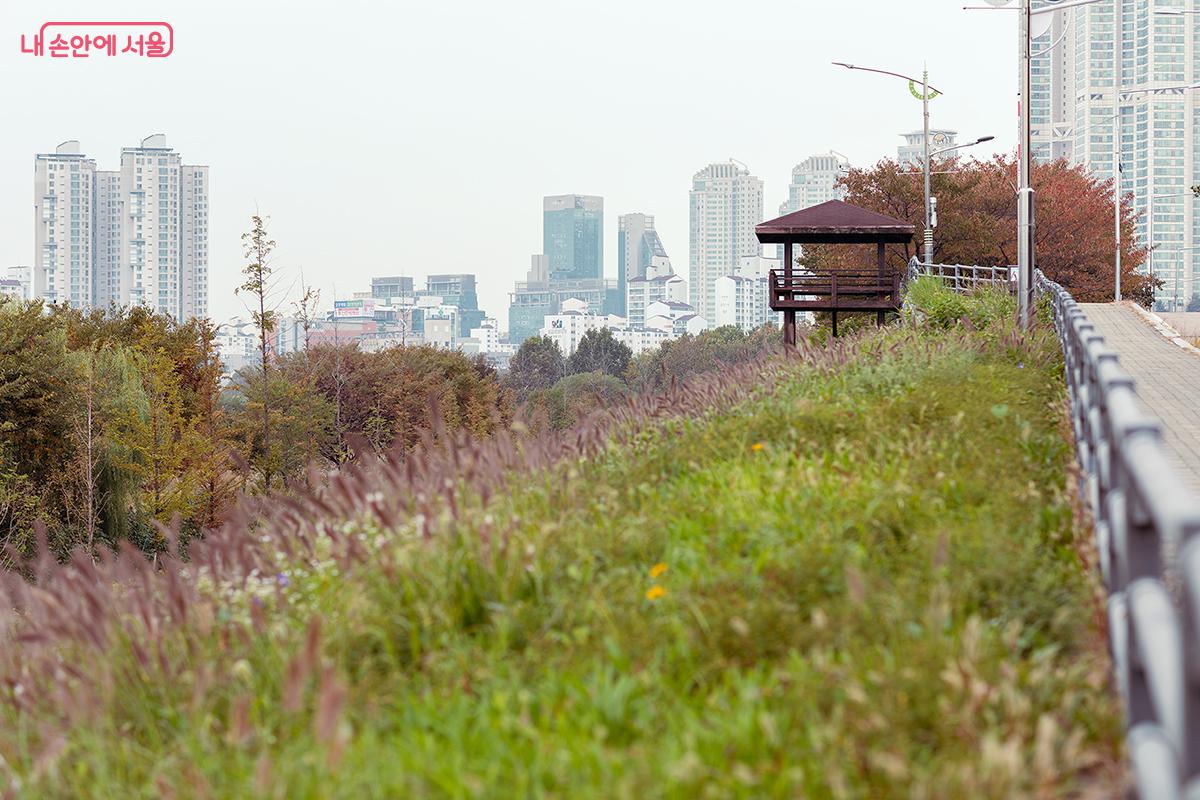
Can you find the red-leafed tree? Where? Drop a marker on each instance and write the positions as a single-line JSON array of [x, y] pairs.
[[977, 222]]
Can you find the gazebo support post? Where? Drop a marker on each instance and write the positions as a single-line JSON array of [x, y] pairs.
[[789, 316], [879, 315]]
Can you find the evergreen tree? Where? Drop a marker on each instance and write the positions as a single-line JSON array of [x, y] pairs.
[[599, 351]]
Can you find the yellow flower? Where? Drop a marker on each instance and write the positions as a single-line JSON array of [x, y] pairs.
[[756, 446], [657, 569], [655, 592]]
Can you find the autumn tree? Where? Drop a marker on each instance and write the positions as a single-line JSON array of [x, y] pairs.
[[977, 222], [258, 246], [571, 399], [690, 355]]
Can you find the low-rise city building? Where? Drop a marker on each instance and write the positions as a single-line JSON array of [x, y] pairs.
[[658, 283], [743, 297]]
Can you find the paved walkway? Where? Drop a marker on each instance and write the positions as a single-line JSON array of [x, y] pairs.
[[1168, 380]]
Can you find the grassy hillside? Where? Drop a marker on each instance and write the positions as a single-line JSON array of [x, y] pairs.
[[848, 572]]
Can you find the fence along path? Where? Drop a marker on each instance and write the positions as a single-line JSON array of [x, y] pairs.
[[1167, 379], [1147, 522], [1139, 471]]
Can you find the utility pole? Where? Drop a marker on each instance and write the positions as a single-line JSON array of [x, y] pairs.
[[1025, 222], [928, 204], [1118, 39]]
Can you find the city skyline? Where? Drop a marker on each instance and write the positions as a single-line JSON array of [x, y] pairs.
[[358, 182]]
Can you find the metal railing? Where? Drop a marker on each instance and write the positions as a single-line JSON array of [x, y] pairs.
[[1146, 521], [964, 277]]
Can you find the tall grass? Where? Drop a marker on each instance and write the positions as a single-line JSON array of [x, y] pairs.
[[845, 572]]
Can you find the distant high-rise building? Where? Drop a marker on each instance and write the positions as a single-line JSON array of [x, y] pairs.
[[138, 236], [106, 286], [390, 287], [912, 152], [638, 246], [814, 181], [1074, 115], [458, 290], [726, 204], [193, 242], [165, 207], [1052, 78], [63, 194], [539, 296], [570, 266], [573, 236]]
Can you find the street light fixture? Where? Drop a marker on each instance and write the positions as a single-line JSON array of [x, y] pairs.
[[924, 97], [980, 140]]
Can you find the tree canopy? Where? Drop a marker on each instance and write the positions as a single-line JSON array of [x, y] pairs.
[[599, 351], [537, 364], [977, 222]]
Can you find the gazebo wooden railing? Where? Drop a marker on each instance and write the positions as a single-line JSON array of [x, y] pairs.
[[833, 222], [834, 291]]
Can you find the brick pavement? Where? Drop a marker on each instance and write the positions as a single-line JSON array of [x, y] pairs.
[[1167, 376]]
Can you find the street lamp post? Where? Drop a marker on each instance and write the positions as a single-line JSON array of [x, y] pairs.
[[1025, 223], [926, 96]]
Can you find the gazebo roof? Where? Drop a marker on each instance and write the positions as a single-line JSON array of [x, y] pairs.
[[834, 222]]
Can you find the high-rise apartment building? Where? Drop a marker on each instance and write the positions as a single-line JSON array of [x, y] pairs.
[[106, 222], [1052, 78], [815, 180], [193, 243], [573, 236], [134, 237], [1074, 115], [726, 204], [63, 194]]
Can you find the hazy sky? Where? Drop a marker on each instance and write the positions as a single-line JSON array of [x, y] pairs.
[[401, 137]]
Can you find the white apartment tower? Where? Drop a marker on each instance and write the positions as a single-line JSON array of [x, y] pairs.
[[106, 226], [726, 204], [63, 193], [1074, 115], [193, 229], [134, 237], [814, 181]]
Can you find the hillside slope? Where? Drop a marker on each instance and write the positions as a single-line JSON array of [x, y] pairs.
[[846, 572]]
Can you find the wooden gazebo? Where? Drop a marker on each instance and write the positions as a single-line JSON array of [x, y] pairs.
[[833, 222]]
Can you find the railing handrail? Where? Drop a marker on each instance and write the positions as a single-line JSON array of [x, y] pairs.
[[1146, 521], [962, 277]]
